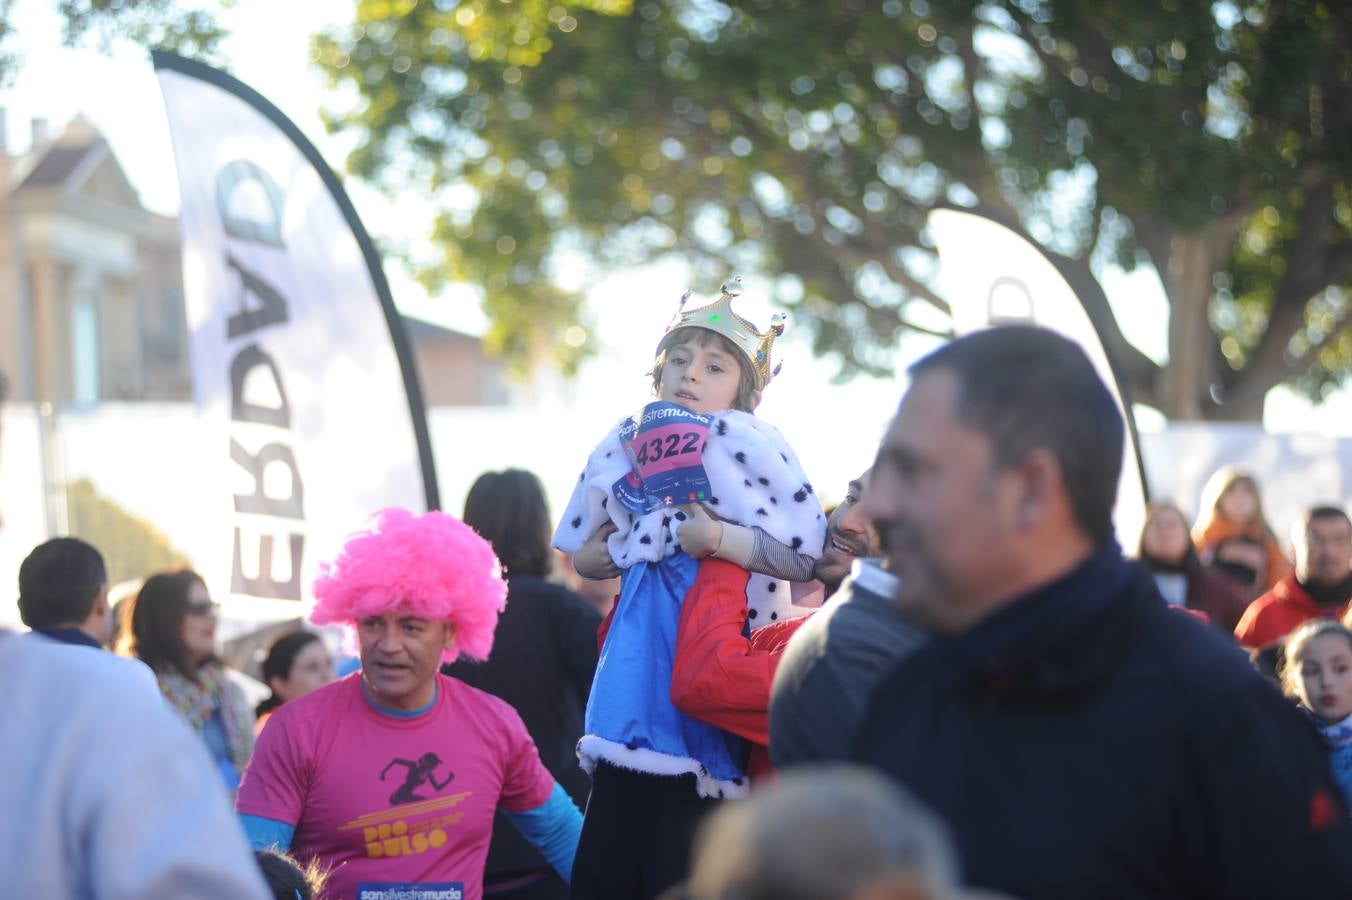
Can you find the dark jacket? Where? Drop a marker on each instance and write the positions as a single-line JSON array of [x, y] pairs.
[[831, 666], [1221, 599], [544, 655], [1087, 741], [64, 635]]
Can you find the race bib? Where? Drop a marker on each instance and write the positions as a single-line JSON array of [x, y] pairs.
[[665, 446]]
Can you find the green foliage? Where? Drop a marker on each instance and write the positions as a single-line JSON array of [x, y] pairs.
[[812, 138], [189, 29], [131, 547]]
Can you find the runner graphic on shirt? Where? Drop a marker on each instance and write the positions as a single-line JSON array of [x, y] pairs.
[[419, 773]]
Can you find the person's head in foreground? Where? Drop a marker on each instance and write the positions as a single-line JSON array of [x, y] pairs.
[[416, 590], [824, 833], [997, 475]]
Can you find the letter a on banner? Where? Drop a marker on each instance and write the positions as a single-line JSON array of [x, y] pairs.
[[991, 275], [300, 362]]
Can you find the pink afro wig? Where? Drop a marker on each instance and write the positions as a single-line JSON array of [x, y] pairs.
[[433, 565]]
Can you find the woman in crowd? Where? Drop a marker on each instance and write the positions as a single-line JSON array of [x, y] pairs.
[[296, 664], [544, 656], [1167, 552], [173, 630], [1231, 506]]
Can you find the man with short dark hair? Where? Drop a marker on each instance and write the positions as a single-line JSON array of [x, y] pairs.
[[1319, 587], [63, 593], [1080, 738]]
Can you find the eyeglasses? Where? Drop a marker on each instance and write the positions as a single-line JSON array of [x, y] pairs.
[[205, 608]]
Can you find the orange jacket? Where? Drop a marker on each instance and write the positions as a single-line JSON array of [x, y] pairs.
[[719, 675]]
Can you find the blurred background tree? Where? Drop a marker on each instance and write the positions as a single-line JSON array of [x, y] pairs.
[[189, 28], [1209, 140], [131, 548]]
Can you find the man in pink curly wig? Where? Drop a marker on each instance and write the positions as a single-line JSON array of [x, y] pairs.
[[392, 775]]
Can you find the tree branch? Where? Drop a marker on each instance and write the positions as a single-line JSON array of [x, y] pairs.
[[1308, 270], [1307, 358]]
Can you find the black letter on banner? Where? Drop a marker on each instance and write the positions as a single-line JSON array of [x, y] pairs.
[[263, 585], [258, 503], [235, 215], [270, 311], [245, 361]]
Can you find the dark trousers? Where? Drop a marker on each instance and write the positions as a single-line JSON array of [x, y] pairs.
[[636, 835]]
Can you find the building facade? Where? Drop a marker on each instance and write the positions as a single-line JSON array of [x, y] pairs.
[[91, 299], [91, 290]]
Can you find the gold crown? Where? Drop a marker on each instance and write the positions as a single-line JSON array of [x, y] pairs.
[[720, 318]]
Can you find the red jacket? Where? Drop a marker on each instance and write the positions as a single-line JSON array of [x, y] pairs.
[[718, 675], [1279, 612]]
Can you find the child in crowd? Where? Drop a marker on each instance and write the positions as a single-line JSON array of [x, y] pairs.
[[1318, 673], [651, 764], [1231, 506]]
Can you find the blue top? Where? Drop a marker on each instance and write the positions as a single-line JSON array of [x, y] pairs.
[[1339, 739], [630, 704]]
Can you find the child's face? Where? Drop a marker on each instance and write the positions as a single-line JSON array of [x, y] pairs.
[[1326, 677], [1239, 503], [703, 379]]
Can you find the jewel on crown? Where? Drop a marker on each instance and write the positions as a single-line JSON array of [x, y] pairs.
[[720, 317]]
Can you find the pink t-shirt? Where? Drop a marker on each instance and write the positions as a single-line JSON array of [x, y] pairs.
[[400, 808]]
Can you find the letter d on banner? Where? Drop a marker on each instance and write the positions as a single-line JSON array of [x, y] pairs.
[[300, 362], [991, 275]]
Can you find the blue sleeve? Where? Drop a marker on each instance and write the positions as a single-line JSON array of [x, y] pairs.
[[552, 828], [264, 833]]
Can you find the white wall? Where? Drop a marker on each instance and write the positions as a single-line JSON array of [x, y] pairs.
[[22, 509], [147, 457]]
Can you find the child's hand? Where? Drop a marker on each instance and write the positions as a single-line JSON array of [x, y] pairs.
[[699, 534], [592, 560]]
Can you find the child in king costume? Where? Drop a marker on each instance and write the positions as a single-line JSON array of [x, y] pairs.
[[653, 767]]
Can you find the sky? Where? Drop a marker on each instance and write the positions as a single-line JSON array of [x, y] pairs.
[[269, 50]]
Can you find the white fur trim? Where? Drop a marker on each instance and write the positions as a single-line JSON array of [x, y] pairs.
[[592, 748], [756, 479]]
